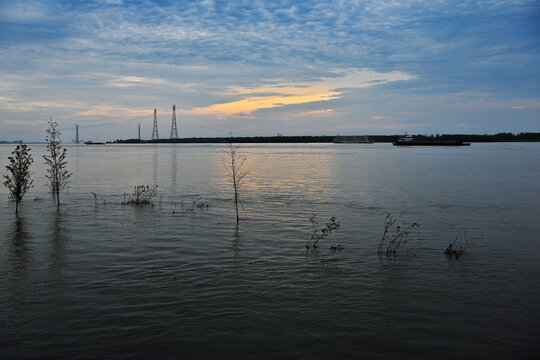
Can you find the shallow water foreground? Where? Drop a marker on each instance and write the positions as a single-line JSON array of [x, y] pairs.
[[99, 279]]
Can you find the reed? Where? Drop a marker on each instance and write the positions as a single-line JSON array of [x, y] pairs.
[[144, 195], [457, 247], [395, 234], [320, 234]]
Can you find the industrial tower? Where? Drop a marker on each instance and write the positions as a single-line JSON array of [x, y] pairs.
[[155, 134], [174, 131]]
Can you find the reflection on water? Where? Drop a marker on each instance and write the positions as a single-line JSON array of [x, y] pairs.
[[174, 165], [58, 240], [236, 242], [75, 153], [155, 163], [272, 175], [18, 245]]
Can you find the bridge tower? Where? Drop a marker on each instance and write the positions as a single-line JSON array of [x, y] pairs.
[[155, 134], [174, 131]]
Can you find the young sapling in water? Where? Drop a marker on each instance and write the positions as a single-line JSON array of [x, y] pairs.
[[57, 174], [235, 164], [18, 176]]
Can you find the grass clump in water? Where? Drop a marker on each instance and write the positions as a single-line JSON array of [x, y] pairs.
[[320, 234], [144, 195], [395, 235], [457, 247]]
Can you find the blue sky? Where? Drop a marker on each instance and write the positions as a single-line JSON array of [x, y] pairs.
[[267, 67]]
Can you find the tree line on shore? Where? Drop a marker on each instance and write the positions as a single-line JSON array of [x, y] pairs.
[[500, 137]]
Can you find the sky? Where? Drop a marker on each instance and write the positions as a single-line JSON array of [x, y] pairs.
[[259, 68]]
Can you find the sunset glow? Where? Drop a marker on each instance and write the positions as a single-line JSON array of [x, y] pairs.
[[266, 67]]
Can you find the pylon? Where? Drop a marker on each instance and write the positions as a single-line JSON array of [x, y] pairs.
[[155, 134], [174, 131]]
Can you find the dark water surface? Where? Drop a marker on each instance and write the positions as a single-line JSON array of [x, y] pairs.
[[99, 279]]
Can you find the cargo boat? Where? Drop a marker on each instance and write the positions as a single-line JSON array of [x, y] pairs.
[[408, 140], [93, 143]]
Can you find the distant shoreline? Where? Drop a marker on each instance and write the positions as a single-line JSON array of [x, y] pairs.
[[501, 137]]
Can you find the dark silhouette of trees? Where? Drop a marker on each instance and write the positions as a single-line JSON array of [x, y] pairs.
[[18, 176], [57, 174]]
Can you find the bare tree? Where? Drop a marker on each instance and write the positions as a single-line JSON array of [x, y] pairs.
[[235, 164], [18, 176], [57, 175]]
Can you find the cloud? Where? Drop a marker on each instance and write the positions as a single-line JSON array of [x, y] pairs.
[[264, 65], [397, 126], [112, 111], [292, 93], [113, 2], [24, 12], [125, 81], [317, 112]]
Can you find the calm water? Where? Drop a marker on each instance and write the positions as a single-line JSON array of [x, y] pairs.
[[99, 279]]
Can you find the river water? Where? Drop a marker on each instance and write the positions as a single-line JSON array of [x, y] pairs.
[[101, 279]]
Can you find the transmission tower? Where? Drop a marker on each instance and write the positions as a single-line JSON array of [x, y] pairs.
[[174, 131], [155, 134], [76, 133]]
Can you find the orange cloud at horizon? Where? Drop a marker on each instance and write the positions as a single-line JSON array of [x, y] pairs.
[[251, 104], [317, 112], [290, 93]]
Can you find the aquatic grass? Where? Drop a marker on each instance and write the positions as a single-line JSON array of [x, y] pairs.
[[395, 234], [320, 234], [457, 247], [96, 199], [196, 204], [144, 195]]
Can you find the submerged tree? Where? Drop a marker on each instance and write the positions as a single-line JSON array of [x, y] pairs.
[[235, 164], [18, 176], [57, 175]]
